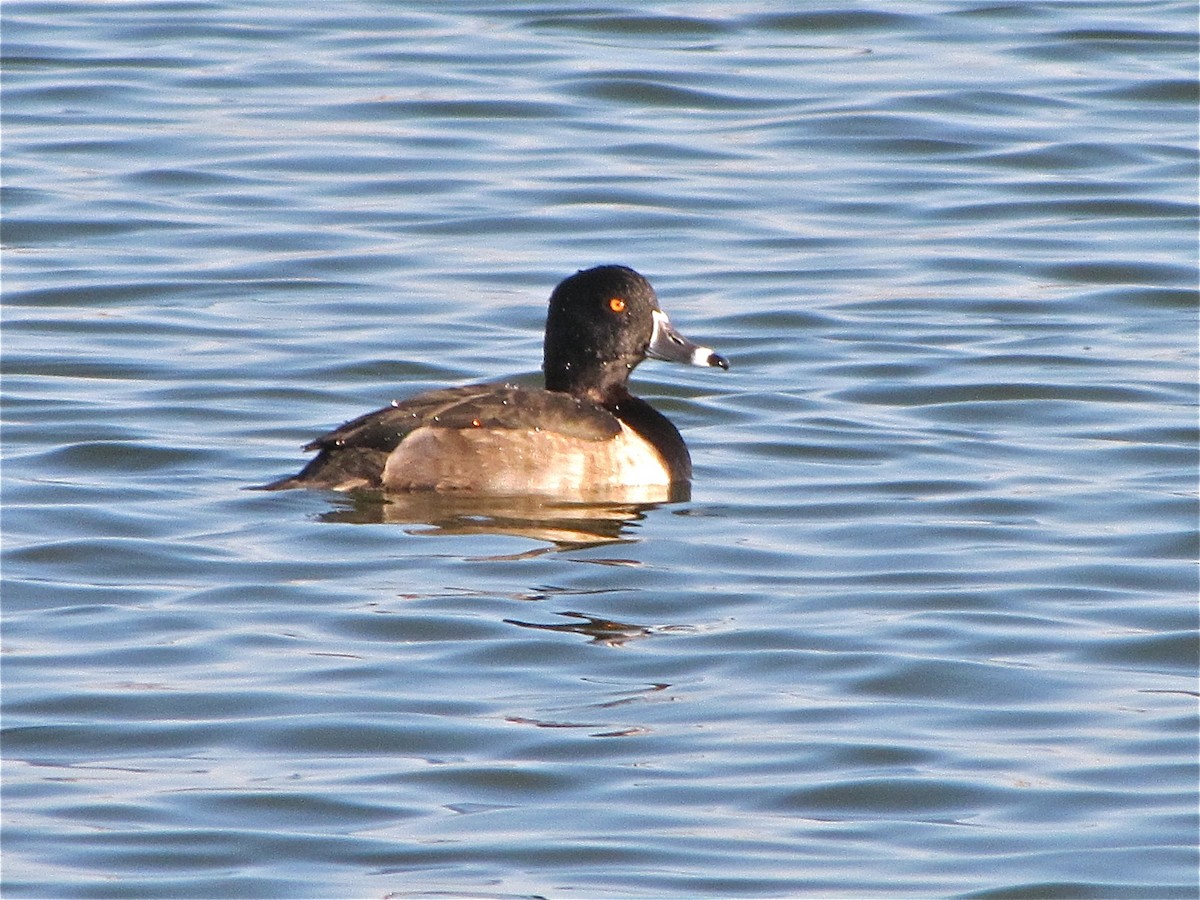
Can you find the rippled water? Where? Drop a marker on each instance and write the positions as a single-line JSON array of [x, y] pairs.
[[927, 625]]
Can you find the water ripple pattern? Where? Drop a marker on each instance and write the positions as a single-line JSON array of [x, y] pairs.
[[926, 627]]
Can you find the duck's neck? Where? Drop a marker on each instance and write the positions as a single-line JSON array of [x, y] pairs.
[[603, 382]]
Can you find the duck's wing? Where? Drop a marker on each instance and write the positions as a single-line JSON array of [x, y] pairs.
[[355, 454], [502, 406]]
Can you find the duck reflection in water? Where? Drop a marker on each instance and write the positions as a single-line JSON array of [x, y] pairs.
[[563, 525], [601, 631]]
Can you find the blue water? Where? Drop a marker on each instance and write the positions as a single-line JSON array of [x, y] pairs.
[[927, 625]]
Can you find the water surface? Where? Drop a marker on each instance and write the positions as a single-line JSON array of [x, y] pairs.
[[927, 625]]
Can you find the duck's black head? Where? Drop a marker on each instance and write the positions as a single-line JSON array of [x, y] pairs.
[[603, 322]]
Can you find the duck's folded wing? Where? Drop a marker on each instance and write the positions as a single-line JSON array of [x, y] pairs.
[[383, 429], [356, 454], [501, 406]]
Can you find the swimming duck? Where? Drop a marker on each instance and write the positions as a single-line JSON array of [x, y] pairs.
[[583, 435]]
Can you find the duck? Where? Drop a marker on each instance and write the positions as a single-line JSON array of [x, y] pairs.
[[582, 435]]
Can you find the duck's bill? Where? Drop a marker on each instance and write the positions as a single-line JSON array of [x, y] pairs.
[[668, 344]]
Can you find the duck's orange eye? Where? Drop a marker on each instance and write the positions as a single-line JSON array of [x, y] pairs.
[[616, 304]]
